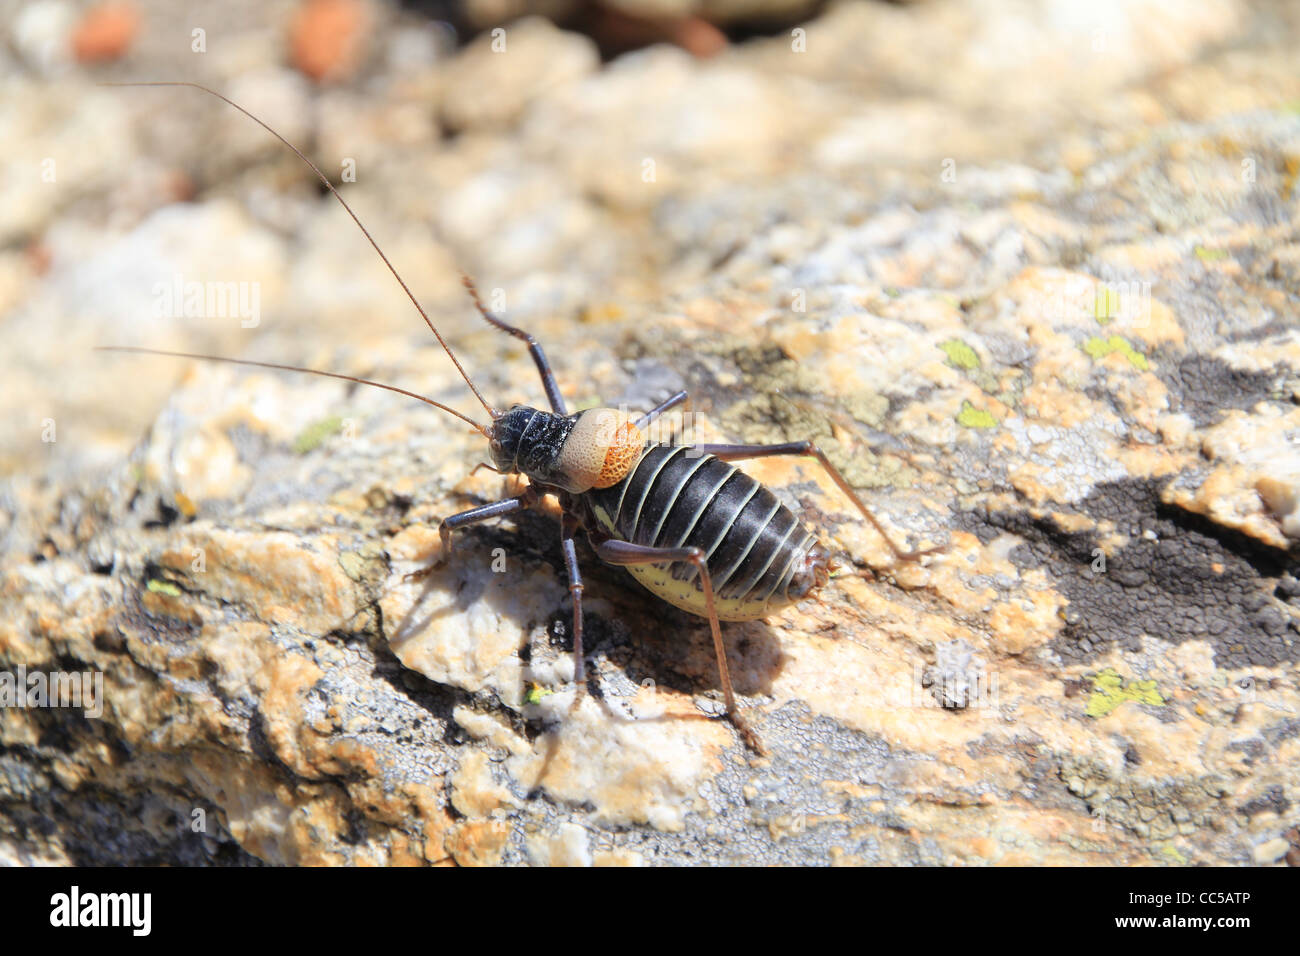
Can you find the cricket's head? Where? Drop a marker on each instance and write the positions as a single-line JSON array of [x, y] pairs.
[[505, 435], [595, 448]]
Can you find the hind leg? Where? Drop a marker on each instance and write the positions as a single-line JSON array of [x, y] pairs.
[[810, 450], [624, 553]]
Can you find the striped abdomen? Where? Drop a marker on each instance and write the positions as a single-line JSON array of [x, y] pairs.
[[760, 557]]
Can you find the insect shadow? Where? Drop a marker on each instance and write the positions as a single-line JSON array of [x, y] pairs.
[[648, 643]]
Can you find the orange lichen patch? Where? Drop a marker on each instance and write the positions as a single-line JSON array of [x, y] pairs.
[[105, 32], [327, 38], [160, 601], [474, 793], [951, 580], [1157, 326], [1055, 402], [1070, 522], [274, 575], [1230, 496], [1026, 479], [624, 450], [284, 684], [1030, 620], [1150, 461], [478, 843]]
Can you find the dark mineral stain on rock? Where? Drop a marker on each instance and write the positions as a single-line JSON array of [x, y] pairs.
[[1271, 800], [1205, 387], [1180, 578], [99, 827]]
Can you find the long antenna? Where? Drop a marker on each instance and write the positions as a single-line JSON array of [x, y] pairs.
[[330, 186], [295, 368]]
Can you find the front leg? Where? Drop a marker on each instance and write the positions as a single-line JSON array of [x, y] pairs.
[[549, 384], [455, 522]]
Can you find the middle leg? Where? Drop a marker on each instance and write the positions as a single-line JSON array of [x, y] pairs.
[[567, 530], [659, 409]]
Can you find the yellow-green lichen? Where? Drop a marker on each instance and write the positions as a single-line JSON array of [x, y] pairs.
[[960, 355], [1106, 305], [163, 587], [364, 565], [1099, 348], [972, 417], [1109, 690], [314, 435], [1206, 254], [1172, 854], [536, 693], [353, 564]]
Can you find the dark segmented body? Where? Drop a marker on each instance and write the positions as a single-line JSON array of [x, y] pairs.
[[757, 550]]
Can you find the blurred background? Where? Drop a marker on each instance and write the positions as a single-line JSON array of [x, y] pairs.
[[595, 165], [900, 229]]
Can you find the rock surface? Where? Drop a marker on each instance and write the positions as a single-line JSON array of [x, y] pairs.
[[1040, 305]]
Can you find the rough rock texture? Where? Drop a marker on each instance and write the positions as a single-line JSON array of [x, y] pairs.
[[1039, 304]]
